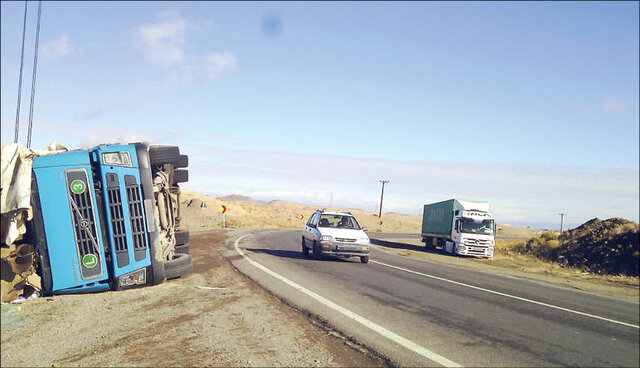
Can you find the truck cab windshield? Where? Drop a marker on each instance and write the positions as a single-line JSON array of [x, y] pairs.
[[471, 226]]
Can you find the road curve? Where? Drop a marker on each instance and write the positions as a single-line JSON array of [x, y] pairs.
[[465, 317]]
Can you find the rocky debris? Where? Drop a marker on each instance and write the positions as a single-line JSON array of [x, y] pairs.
[[603, 247]]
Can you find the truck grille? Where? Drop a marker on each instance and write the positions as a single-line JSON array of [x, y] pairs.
[[346, 240], [477, 242], [137, 217], [84, 225], [119, 233]]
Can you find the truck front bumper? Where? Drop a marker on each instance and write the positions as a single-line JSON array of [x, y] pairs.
[[466, 250]]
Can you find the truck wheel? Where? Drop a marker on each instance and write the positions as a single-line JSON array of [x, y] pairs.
[[364, 259], [305, 251], [316, 251], [163, 154], [183, 161], [182, 237], [180, 265], [180, 175], [183, 249]]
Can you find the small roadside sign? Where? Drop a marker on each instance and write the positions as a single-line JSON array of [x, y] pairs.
[[223, 209], [301, 217]]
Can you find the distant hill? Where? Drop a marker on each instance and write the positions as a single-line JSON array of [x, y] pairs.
[[245, 211], [239, 198]]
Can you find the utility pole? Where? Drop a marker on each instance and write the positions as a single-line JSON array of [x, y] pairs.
[[381, 197], [561, 221]]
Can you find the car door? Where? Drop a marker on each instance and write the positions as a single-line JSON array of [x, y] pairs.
[[309, 228]]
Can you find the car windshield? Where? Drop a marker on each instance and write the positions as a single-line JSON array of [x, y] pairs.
[[476, 226], [339, 222]]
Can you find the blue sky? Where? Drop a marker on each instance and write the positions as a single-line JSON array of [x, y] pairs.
[[533, 106]]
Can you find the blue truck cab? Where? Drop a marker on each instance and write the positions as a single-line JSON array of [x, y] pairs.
[[93, 223]]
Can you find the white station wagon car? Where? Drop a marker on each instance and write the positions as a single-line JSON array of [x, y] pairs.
[[335, 233]]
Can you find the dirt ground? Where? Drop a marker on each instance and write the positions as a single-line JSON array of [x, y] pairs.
[[622, 287], [212, 317]]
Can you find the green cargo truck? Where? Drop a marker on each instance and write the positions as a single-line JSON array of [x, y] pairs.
[[459, 227]]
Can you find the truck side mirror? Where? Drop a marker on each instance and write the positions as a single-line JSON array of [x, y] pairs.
[[365, 229], [457, 224]]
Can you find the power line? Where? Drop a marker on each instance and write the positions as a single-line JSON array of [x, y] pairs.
[[24, 31], [33, 77]]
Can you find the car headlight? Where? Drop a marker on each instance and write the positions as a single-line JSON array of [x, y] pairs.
[[328, 238]]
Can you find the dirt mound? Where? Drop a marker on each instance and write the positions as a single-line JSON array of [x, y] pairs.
[[603, 247]]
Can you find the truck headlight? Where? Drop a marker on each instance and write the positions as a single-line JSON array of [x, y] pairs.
[[327, 238], [121, 158], [138, 277], [363, 240]]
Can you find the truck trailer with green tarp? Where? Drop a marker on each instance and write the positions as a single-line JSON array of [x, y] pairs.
[[459, 226]]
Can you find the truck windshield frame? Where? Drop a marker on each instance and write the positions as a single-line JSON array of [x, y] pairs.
[[471, 226]]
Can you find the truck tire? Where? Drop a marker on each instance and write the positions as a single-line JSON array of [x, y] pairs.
[[182, 249], [180, 265], [183, 161], [163, 154], [305, 250], [182, 237], [364, 259], [180, 175]]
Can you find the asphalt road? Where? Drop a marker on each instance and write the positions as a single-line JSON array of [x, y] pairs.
[[425, 314]]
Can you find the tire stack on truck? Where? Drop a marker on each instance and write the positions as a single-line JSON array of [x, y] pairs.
[[104, 218]]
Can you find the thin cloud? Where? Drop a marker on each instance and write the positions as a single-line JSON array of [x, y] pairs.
[[162, 43], [615, 106], [517, 193], [57, 48], [218, 63]]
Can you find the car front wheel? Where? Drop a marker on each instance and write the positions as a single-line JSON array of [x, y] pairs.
[[364, 259], [316, 251], [305, 250]]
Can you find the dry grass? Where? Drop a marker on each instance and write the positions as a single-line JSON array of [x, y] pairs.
[[276, 214]]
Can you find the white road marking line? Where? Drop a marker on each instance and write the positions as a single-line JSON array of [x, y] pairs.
[[349, 314], [508, 295]]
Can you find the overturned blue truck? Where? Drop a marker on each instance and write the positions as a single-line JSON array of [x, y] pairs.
[[108, 218]]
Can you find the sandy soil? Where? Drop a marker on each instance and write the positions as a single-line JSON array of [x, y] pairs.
[[177, 323]]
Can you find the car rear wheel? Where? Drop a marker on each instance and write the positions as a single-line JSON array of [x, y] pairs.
[[364, 259]]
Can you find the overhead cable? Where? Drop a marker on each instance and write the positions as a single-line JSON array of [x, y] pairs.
[[33, 78], [24, 29]]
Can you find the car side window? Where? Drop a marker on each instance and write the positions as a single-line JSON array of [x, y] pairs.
[[312, 220]]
